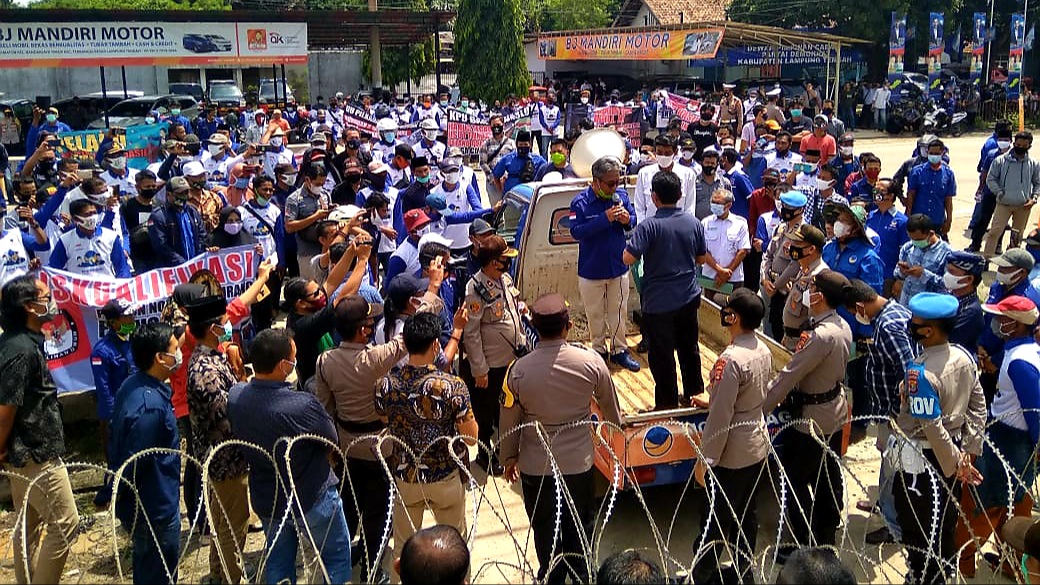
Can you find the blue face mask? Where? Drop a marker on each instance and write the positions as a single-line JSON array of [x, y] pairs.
[[935, 158], [389, 136], [242, 182]]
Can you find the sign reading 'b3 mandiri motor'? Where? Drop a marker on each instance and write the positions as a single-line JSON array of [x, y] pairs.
[[89, 44], [632, 44]]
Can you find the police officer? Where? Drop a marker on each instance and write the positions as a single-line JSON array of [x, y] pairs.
[[941, 418], [550, 391], [494, 336], [806, 248], [111, 364], [813, 381], [735, 441], [776, 280]]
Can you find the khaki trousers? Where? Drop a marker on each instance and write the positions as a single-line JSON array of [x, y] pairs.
[[1019, 216], [606, 308], [445, 498], [228, 503], [49, 506]]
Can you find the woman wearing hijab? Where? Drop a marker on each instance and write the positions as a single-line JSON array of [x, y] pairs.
[[229, 232]]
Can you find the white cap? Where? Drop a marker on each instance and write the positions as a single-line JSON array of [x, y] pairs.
[[728, 85], [774, 91], [193, 169], [428, 124], [344, 212], [435, 238]]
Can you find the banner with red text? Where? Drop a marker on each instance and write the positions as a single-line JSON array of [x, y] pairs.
[[627, 118], [70, 338], [685, 109], [469, 131]]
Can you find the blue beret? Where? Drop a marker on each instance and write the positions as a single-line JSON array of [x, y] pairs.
[[794, 198], [927, 305], [971, 263]]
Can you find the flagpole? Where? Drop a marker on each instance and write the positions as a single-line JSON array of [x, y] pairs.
[[989, 41], [1022, 70]]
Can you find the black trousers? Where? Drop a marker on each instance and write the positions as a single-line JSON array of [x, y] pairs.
[[752, 270], [986, 208], [192, 480], [919, 498], [540, 502], [670, 333], [815, 480], [731, 521], [486, 403], [776, 316], [263, 312], [370, 487], [856, 376]]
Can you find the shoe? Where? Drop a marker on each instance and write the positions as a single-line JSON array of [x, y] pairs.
[[880, 536], [642, 346], [625, 360], [973, 249], [605, 356], [867, 506]]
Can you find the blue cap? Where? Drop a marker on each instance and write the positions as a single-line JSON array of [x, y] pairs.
[[403, 287], [973, 264], [928, 305], [438, 202], [794, 198]]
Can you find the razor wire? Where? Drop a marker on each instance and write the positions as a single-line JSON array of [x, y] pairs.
[[492, 509]]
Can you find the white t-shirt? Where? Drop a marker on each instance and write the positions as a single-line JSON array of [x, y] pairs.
[[259, 229], [644, 204], [14, 259], [724, 238]]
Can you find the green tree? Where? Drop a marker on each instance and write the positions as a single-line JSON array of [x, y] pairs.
[[402, 63], [489, 50], [157, 5]]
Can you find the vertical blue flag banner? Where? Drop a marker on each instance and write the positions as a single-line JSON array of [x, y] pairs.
[[978, 46], [896, 49], [935, 51], [1018, 46]]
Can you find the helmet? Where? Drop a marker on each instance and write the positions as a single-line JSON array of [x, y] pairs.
[[428, 124], [924, 140], [386, 125], [382, 112]]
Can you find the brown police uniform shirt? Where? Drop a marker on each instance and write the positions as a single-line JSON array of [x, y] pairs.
[[817, 366], [494, 329], [346, 381], [796, 314], [554, 386], [737, 386], [777, 259], [955, 378]]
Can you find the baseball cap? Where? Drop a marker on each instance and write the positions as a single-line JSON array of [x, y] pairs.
[[375, 167], [794, 199], [428, 124], [433, 238], [403, 287], [447, 166], [438, 202], [968, 262], [193, 169], [810, 235], [496, 247], [216, 138], [1018, 308], [414, 219], [356, 308], [820, 120], [1016, 258], [344, 212], [117, 308], [773, 125], [455, 152], [480, 227], [177, 185]]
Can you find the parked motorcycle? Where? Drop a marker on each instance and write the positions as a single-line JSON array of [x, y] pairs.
[[939, 122], [906, 114]]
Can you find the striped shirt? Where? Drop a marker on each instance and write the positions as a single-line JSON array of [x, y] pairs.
[[891, 351], [932, 259]]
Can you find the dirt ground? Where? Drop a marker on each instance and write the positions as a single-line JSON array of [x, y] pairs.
[[502, 547]]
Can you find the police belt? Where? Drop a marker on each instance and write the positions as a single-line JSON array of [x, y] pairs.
[[792, 332], [360, 428], [806, 399]]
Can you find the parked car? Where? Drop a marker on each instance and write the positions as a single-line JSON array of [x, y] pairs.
[[206, 43], [790, 89], [133, 111], [79, 111], [224, 93], [195, 90], [680, 85], [266, 93]]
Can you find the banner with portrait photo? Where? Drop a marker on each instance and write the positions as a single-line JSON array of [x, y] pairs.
[[978, 47], [685, 109], [628, 118], [935, 52], [141, 143], [1018, 46], [896, 52], [70, 338]]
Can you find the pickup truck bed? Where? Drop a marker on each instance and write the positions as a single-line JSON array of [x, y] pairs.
[[635, 390]]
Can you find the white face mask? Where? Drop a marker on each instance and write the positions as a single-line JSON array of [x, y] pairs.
[[954, 282], [215, 149], [452, 178], [665, 161], [841, 229], [232, 228], [807, 298], [846, 150], [314, 189], [584, 100], [290, 179], [823, 184], [1003, 144], [1007, 277], [88, 223], [423, 231], [862, 319], [687, 155], [118, 163], [430, 135], [276, 141]]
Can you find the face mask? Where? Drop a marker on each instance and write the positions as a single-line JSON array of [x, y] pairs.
[[126, 329], [862, 319], [954, 282], [524, 151], [841, 229], [233, 227], [1003, 144], [496, 129], [823, 184], [45, 168], [147, 193], [915, 332], [795, 253], [465, 103], [430, 135], [828, 111], [197, 185], [225, 334], [88, 223], [846, 151], [718, 209], [290, 179], [999, 330], [1006, 278], [687, 155], [118, 163], [149, 120], [920, 244], [389, 137], [796, 113], [444, 103], [665, 161], [353, 144], [400, 109], [872, 174], [1019, 151], [178, 359], [215, 149], [584, 100], [314, 189], [50, 314], [175, 111], [276, 141], [807, 299], [52, 118], [506, 264], [788, 214], [934, 159], [452, 178], [708, 169], [320, 302], [180, 201]]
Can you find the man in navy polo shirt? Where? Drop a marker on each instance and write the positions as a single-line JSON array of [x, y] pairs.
[[931, 189], [600, 217], [672, 245]]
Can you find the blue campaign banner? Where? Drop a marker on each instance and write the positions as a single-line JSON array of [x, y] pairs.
[[802, 54], [935, 51], [1018, 46], [978, 46], [141, 143], [896, 50]]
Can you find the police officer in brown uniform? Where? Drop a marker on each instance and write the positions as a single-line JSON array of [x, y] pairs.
[[942, 416], [805, 249], [550, 391], [735, 441], [812, 384], [776, 278], [494, 337]]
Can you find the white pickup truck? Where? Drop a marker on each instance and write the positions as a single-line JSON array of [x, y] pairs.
[[656, 448]]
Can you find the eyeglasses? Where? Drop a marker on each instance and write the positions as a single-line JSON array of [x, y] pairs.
[[317, 292]]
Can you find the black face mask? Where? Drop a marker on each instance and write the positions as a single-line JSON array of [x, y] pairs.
[[353, 179], [1019, 151], [147, 193], [353, 144], [496, 129], [45, 168], [525, 151], [505, 265], [708, 170], [197, 184], [828, 111], [796, 253], [788, 214], [915, 331]]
